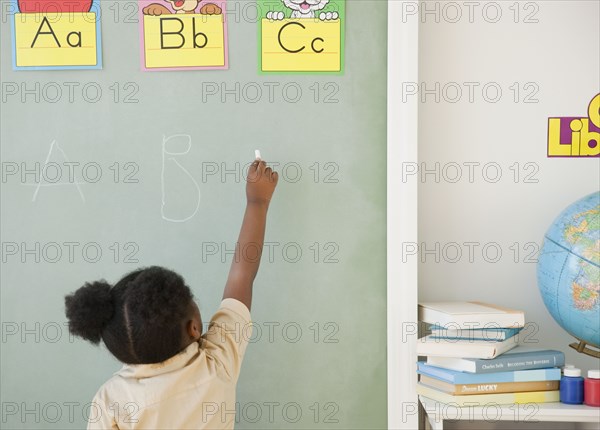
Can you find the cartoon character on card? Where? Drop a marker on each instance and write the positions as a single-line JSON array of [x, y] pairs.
[[181, 6], [305, 9], [54, 6]]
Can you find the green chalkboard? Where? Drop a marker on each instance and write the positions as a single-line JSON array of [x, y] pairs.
[[105, 171]]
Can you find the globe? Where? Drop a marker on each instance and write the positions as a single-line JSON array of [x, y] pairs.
[[568, 269]]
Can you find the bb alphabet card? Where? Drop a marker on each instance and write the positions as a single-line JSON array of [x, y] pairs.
[[183, 34], [55, 34], [301, 36]]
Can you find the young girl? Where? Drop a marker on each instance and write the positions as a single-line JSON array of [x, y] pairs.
[[174, 376]]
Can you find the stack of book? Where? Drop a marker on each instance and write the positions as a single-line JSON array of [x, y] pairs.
[[473, 357]]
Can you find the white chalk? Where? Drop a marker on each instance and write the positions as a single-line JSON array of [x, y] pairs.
[[257, 154]]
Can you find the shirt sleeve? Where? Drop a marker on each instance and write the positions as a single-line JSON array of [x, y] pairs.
[[100, 417], [227, 336]]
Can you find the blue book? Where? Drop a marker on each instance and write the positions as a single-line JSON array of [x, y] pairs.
[[454, 377], [490, 334], [519, 358]]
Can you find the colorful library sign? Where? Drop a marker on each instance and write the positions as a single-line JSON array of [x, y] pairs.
[[572, 136]]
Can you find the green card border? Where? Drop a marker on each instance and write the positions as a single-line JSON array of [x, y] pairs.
[[342, 17]]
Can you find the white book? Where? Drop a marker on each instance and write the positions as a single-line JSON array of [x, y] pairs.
[[463, 348], [470, 315]]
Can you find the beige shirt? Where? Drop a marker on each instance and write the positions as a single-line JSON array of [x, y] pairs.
[[194, 389]]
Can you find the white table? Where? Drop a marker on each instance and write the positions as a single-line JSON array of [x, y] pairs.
[[437, 413]]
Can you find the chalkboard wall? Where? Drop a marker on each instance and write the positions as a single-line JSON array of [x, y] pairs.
[[105, 171]]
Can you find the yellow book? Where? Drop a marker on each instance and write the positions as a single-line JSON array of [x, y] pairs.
[[487, 399], [488, 387]]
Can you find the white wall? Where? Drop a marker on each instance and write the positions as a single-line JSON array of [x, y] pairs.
[[559, 55]]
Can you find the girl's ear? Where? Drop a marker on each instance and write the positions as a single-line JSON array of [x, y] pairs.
[[194, 329]]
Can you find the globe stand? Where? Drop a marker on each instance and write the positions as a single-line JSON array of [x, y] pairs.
[[582, 347]]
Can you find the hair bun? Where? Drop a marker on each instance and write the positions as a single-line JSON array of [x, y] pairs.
[[89, 309]]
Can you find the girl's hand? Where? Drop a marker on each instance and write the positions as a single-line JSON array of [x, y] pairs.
[[261, 183]]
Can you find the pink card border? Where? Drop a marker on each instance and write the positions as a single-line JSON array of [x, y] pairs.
[[143, 3]]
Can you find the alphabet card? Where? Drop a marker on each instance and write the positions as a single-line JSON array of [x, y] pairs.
[[56, 34], [183, 34], [302, 36]]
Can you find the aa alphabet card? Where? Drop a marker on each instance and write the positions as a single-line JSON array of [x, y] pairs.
[[301, 36], [55, 34], [183, 34]]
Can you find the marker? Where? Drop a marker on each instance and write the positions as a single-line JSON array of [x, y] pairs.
[[257, 154]]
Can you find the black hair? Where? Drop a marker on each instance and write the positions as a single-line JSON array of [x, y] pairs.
[[141, 318]]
